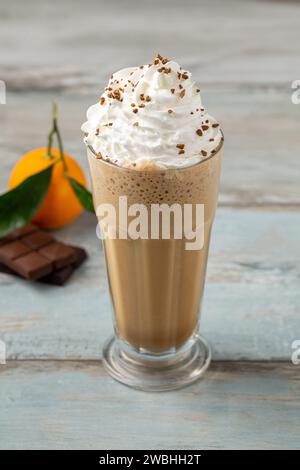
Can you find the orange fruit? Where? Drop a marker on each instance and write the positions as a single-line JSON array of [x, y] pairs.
[[60, 205]]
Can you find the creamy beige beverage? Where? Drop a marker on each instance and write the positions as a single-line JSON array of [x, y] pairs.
[[156, 285], [150, 139]]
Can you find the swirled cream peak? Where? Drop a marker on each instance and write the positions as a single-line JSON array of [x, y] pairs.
[[151, 117]]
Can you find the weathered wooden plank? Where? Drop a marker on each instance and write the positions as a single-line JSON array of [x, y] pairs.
[[253, 273], [72, 405], [250, 310], [71, 45]]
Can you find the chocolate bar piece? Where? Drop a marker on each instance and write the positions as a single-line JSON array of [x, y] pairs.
[[32, 266], [34, 254], [37, 239], [58, 277], [60, 254], [61, 276], [13, 250], [20, 258]]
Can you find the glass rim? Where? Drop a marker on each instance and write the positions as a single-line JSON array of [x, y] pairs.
[[162, 170]]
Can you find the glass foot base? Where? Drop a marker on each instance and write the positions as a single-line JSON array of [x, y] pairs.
[[157, 373]]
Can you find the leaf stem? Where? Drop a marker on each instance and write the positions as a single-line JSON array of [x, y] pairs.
[[49, 146], [55, 132]]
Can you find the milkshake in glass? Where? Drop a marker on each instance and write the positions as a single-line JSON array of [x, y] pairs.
[[151, 142]]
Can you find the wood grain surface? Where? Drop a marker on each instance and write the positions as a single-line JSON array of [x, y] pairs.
[[69, 405]]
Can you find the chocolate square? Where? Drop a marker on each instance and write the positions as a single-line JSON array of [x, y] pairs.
[[59, 254], [12, 250], [32, 266], [38, 239]]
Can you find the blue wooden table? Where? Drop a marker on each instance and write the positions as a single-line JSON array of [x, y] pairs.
[[54, 391]]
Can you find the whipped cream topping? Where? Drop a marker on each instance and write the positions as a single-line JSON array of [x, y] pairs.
[[151, 116]]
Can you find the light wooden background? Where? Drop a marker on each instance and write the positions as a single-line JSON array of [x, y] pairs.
[[54, 392]]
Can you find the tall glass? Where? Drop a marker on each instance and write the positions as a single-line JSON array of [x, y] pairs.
[[156, 285]]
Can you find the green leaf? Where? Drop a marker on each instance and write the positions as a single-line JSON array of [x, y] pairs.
[[84, 195], [18, 206]]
